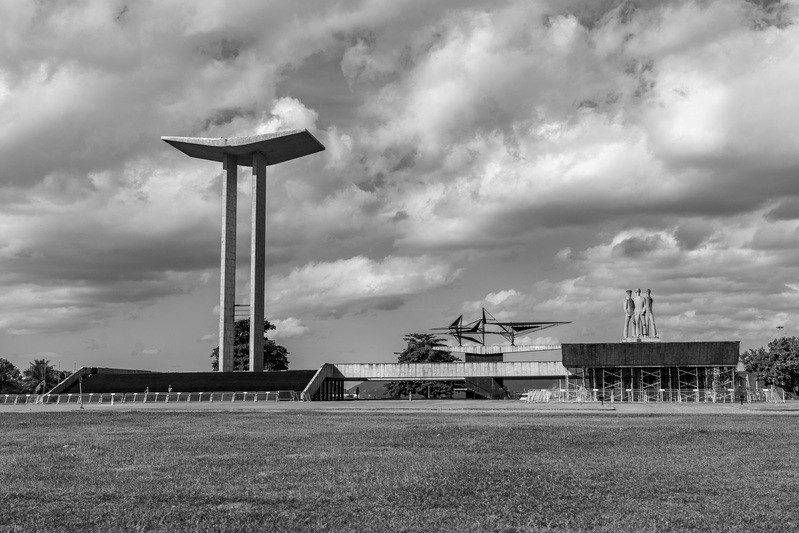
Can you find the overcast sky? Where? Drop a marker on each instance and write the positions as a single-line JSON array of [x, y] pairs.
[[536, 158]]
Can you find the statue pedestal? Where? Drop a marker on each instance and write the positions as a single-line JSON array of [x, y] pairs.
[[641, 339]]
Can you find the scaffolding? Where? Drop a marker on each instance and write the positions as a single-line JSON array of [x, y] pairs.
[[652, 385], [657, 384], [720, 384], [688, 384], [609, 384]]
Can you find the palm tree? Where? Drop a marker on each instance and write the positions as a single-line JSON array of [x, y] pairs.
[[40, 376]]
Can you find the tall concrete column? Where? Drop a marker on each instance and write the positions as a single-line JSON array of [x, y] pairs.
[[258, 262], [227, 285]]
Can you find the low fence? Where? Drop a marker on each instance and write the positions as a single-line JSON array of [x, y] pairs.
[[150, 397], [653, 395]]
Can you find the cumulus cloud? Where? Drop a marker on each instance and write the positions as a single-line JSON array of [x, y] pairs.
[[485, 135], [650, 142], [356, 284], [735, 285], [288, 328], [503, 304]]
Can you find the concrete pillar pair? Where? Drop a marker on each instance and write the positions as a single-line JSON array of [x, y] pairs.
[[227, 293], [255, 151]]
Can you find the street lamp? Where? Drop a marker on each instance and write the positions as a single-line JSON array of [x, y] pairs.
[[80, 390]]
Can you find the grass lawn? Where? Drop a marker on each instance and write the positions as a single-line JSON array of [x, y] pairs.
[[387, 471]]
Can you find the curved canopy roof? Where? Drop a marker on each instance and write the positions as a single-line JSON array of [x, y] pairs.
[[276, 147]]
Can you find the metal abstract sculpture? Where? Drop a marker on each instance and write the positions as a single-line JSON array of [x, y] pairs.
[[477, 330]]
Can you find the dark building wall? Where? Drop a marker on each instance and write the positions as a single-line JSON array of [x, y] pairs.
[[641, 354], [479, 358], [295, 380]]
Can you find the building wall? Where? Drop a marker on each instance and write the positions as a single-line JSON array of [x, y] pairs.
[[295, 380], [660, 354]]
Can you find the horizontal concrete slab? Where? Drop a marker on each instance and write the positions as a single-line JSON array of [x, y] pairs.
[[276, 147], [450, 371], [498, 349]]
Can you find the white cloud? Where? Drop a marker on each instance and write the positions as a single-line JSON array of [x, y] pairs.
[[288, 328], [654, 143], [288, 114], [733, 285], [356, 284], [503, 304]]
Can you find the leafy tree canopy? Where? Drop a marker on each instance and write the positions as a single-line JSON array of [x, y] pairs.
[[779, 365], [420, 349], [275, 355], [41, 376], [9, 377]]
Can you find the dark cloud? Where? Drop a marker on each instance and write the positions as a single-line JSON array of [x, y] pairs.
[[787, 209], [636, 246], [221, 48], [692, 233]]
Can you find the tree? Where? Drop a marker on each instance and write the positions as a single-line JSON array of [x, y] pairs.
[[779, 365], [9, 377], [420, 349], [40, 377], [275, 355]]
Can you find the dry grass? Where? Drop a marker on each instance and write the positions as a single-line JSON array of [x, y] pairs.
[[361, 471]]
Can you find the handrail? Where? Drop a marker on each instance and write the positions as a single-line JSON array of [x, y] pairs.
[[113, 398]]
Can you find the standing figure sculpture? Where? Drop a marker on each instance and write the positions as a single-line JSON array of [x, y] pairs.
[[651, 328], [629, 308], [638, 320]]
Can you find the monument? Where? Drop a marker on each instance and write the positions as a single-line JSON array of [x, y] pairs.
[[642, 368], [258, 152], [638, 313]]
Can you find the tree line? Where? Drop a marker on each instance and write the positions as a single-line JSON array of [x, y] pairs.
[[38, 378], [776, 365]]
